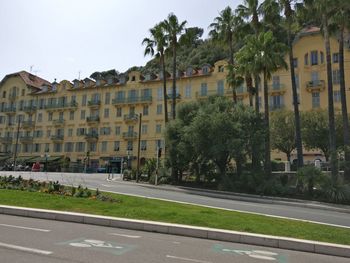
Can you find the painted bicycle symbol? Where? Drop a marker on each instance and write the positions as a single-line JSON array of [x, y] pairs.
[[89, 243]]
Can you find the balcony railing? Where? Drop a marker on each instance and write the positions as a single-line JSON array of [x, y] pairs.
[[131, 117], [10, 109], [170, 96], [28, 124], [12, 96], [91, 136], [315, 85], [58, 122], [6, 139], [68, 105], [94, 103], [31, 108], [129, 135], [57, 137], [132, 100], [26, 138], [200, 95], [93, 119]]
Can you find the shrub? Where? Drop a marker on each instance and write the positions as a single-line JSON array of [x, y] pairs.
[[308, 176]]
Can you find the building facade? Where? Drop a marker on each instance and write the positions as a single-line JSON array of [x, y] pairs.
[[97, 120]]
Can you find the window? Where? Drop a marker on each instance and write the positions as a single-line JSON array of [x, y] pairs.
[[159, 109], [315, 100], [132, 110], [119, 112], [81, 131], [57, 147], [130, 146], [220, 87], [276, 82], [40, 117], [295, 62], [315, 78], [105, 131], [204, 89], [108, 98], [82, 115], [335, 57], [70, 132], [297, 81], [60, 116], [205, 70], [104, 146], [23, 92], [38, 134], [314, 58], [117, 130], [83, 100], [41, 103], [336, 76], [106, 113], [144, 129], [143, 145], [306, 59], [50, 116], [36, 147], [68, 147], [4, 94], [73, 99], [71, 115], [158, 128], [80, 147], [322, 57], [92, 146], [159, 144], [116, 146], [159, 93], [189, 72], [145, 110], [276, 102], [336, 96], [221, 68], [188, 91]]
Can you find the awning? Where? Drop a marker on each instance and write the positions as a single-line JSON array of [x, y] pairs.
[[21, 159], [42, 159]]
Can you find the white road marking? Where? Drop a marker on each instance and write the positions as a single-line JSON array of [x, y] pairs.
[[122, 235], [106, 185], [263, 257], [28, 228], [26, 249], [188, 259]]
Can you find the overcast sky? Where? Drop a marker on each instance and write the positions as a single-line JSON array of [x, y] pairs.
[[59, 38]]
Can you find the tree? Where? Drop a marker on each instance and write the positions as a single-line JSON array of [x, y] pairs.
[[268, 56], [173, 29], [289, 15], [224, 27], [156, 44], [340, 22], [234, 80], [282, 132], [323, 10]]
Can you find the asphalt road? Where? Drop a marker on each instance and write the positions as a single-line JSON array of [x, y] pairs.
[[99, 181], [43, 241]]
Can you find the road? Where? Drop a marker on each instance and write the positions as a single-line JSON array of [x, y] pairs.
[[99, 181], [44, 241]]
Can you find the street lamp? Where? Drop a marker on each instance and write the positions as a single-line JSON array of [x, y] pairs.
[[46, 155], [128, 152]]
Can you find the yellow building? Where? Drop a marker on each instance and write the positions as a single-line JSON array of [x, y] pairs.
[[99, 120]]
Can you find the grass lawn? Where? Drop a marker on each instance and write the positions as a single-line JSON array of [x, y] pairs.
[[148, 209]]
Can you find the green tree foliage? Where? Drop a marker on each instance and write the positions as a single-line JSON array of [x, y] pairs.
[[282, 131]]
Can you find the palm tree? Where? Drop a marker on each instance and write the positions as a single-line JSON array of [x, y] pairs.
[[173, 29], [323, 9], [341, 21], [157, 44], [234, 80], [289, 15], [268, 56], [224, 28]]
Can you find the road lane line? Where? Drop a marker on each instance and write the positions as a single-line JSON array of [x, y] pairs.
[[28, 228], [187, 259], [122, 235], [26, 249]]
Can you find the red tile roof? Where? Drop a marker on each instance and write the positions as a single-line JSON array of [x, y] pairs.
[[29, 79]]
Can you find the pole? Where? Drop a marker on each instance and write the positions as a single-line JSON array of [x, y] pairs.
[[138, 150], [156, 181], [16, 145]]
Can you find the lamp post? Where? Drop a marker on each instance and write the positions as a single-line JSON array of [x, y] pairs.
[[46, 156], [138, 150], [128, 153]]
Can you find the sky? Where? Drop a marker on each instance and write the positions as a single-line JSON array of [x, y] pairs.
[[60, 39]]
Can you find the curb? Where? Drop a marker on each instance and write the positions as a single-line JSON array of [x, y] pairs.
[[183, 230], [254, 198]]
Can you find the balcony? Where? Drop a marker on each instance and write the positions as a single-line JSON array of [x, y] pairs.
[[93, 119], [240, 92], [276, 107], [277, 88], [29, 109], [28, 124], [26, 139], [59, 122], [131, 117], [12, 96], [204, 95], [10, 110], [170, 96], [91, 136], [57, 138], [6, 139], [58, 106], [129, 135], [94, 103], [315, 85], [133, 100]]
